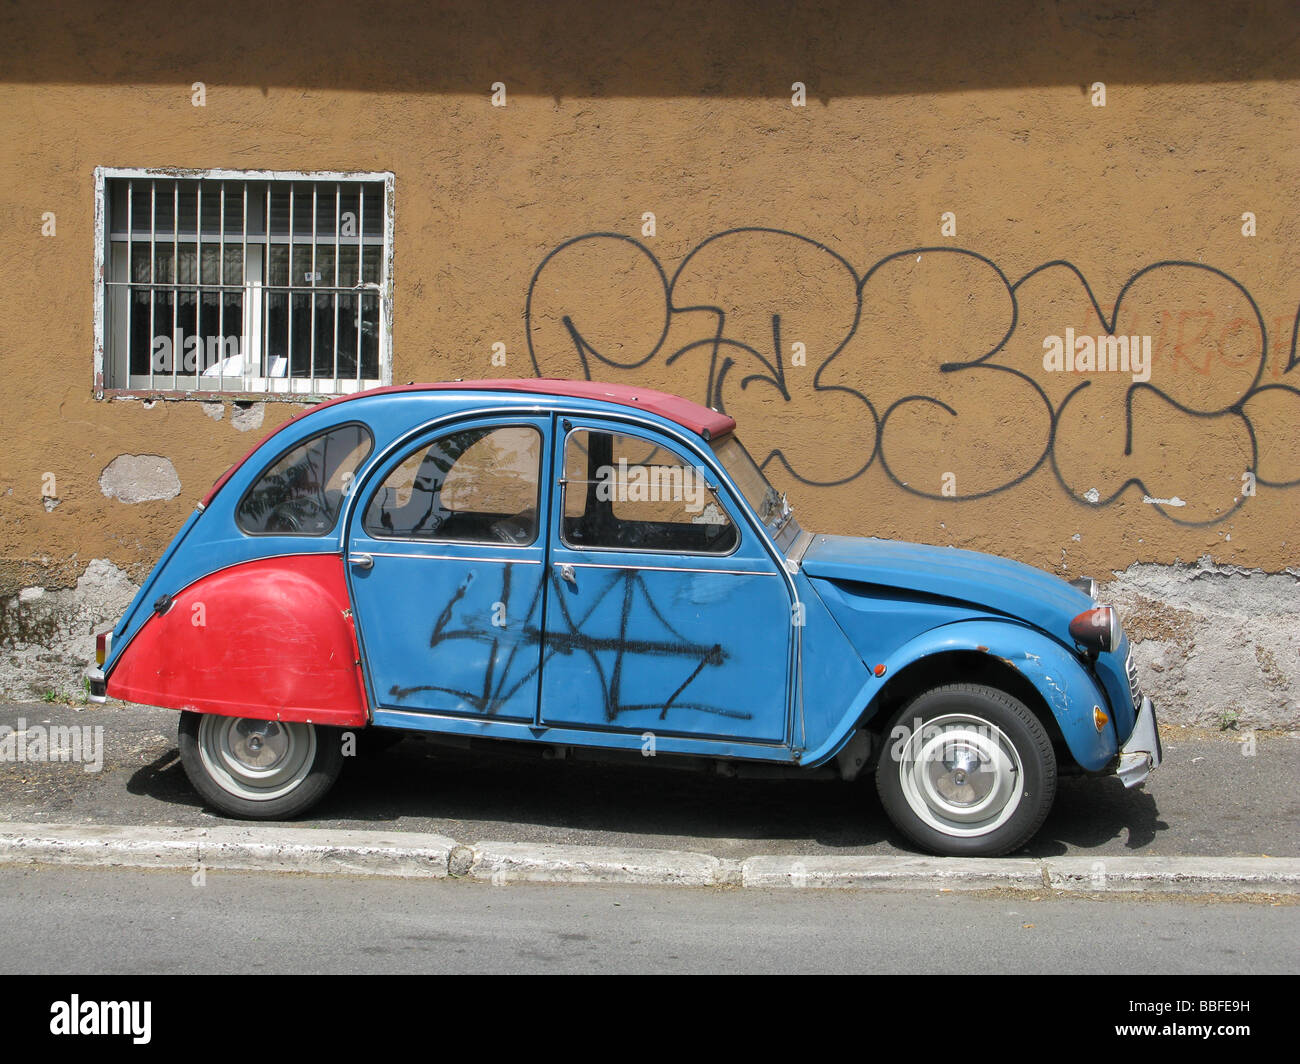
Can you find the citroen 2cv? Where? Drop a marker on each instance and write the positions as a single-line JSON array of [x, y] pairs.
[[605, 569]]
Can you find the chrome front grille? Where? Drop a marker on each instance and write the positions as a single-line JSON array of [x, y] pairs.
[[1134, 688]]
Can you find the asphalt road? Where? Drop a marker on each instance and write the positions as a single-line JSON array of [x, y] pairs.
[[126, 921], [1208, 799]]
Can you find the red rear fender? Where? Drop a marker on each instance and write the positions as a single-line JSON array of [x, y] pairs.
[[271, 639]]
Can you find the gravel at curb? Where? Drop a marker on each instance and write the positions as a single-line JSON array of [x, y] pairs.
[[412, 854]]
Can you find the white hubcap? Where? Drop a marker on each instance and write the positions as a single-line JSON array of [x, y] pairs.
[[961, 775], [256, 759]]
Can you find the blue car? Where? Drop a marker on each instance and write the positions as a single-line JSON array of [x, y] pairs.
[[577, 565]]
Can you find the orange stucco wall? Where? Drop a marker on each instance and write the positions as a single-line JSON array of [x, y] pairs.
[[918, 405]]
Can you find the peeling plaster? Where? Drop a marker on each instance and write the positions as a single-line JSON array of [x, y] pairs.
[[245, 416], [133, 478], [47, 636], [1210, 640]]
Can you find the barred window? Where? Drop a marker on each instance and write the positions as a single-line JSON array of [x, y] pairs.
[[248, 283]]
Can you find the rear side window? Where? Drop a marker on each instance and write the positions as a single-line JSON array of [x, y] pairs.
[[474, 486], [302, 493]]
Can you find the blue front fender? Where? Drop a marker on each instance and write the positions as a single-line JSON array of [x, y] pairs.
[[1067, 688]]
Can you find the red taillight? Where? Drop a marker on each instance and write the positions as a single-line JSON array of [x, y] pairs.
[[1097, 628], [102, 643]]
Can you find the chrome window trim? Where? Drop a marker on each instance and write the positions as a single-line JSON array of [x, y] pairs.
[[460, 557], [665, 568], [800, 547]]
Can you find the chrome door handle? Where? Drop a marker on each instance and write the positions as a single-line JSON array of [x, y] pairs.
[[567, 573], [362, 561]]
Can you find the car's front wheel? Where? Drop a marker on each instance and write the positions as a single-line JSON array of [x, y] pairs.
[[258, 769], [966, 771]]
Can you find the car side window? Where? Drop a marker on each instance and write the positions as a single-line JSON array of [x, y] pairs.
[[478, 485], [623, 492], [301, 493]]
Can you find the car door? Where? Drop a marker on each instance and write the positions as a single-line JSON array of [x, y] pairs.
[[665, 612], [445, 563]]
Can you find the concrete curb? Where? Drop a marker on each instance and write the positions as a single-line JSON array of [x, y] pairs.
[[1189, 875], [927, 873], [235, 848], [1212, 875], [414, 854], [504, 862]]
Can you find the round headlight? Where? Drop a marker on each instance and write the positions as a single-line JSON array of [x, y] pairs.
[[1096, 629]]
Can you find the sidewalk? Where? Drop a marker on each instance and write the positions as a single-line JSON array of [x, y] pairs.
[[1209, 819]]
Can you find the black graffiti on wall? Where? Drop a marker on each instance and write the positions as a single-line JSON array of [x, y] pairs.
[[930, 362]]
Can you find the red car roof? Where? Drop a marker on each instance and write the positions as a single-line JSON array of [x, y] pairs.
[[698, 419]]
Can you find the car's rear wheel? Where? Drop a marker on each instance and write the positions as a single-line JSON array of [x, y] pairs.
[[966, 771], [258, 769]]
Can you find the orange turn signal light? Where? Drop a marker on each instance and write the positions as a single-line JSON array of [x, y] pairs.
[[1099, 717]]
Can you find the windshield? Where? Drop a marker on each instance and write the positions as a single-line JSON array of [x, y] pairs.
[[771, 506]]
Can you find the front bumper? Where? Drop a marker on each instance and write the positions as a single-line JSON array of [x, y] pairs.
[[1141, 753]]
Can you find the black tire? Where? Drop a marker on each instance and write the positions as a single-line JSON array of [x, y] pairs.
[[312, 760], [957, 788]]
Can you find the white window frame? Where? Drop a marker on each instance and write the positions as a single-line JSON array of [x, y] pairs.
[[248, 385]]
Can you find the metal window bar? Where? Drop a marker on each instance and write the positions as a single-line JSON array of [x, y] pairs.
[[221, 281], [198, 278], [311, 353], [338, 228], [245, 301], [153, 259], [175, 286], [288, 301], [130, 277], [361, 254], [176, 273], [264, 355]]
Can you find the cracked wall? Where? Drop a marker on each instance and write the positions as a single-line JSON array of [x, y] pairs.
[[1215, 645], [47, 637]]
